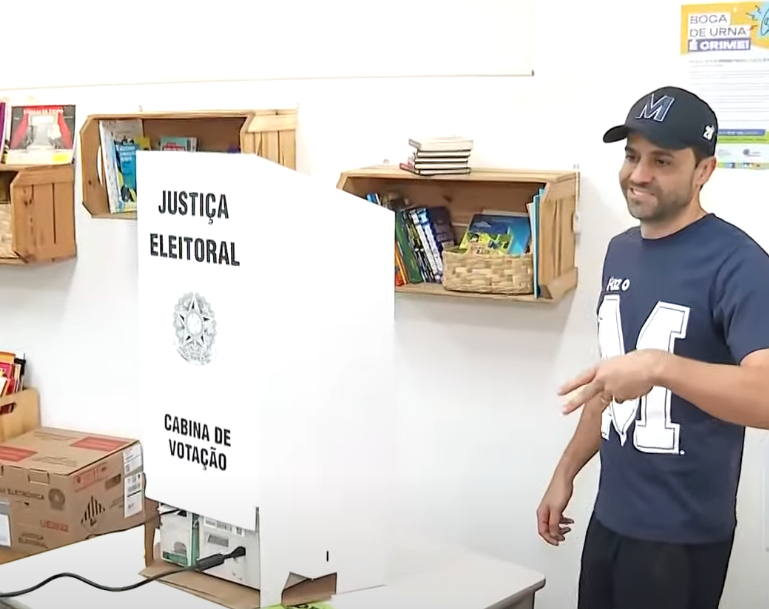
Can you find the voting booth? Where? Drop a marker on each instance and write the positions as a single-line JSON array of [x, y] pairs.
[[266, 338]]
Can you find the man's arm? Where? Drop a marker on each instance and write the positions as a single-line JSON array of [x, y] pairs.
[[583, 445], [734, 393], [586, 441]]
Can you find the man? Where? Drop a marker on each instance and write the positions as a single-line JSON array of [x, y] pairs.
[[683, 328]]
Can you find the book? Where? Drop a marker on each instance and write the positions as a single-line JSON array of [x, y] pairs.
[[442, 144], [41, 135], [12, 371], [498, 233], [188, 144], [120, 141]]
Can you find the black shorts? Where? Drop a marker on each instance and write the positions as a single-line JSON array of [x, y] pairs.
[[618, 572]]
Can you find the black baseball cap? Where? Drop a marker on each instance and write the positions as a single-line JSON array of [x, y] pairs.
[[671, 118]]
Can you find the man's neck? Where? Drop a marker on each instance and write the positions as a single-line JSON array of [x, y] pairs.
[[658, 230]]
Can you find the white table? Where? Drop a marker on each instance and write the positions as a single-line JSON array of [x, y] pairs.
[[428, 576]]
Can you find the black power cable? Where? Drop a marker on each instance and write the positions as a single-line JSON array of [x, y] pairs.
[[209, 562], [139, 524]]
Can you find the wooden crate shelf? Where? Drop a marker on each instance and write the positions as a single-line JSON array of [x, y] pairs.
[[270, 134], [497, 189], [37, 213], [19, 413]]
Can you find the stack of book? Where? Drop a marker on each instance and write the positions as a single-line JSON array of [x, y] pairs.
[[421, 235], [12, 368], [439, 156]]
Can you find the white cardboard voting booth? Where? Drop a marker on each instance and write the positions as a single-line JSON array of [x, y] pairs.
[[266, 330]]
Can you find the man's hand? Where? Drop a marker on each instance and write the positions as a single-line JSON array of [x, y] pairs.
[[552, 525], [618, 379]]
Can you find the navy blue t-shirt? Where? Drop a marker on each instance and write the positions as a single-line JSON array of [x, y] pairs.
[[670, 471]]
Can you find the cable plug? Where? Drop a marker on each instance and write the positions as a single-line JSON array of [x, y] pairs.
[[209, 562]]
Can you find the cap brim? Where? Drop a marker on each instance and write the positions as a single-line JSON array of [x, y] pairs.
[[647, 130], [616, 134]]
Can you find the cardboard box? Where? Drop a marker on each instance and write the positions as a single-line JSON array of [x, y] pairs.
[[19, 414], [58, 487]]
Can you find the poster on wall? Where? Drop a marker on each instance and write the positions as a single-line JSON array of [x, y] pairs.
[[725, 47], [262, 334]]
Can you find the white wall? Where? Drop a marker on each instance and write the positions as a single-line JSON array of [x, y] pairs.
[[477, 381]]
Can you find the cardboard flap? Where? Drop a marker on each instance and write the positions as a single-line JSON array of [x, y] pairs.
[[213, 589], [298, 589], [309, 590], [294, 579]]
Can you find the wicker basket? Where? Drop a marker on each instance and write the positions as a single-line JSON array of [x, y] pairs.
[[487, 273]]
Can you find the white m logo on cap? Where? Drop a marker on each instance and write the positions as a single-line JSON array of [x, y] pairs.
[[657, 109]]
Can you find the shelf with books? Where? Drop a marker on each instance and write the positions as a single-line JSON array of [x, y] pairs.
[[461, 198], [270, 134], [37, 213]]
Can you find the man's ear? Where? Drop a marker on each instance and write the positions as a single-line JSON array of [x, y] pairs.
[[704, 170]]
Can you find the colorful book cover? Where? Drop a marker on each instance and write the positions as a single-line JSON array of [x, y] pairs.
[[533, 209], [42, 135], [188, 144], [498, 234], [112, 132], [125, 152]]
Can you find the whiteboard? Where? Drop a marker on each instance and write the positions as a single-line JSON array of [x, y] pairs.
[[167, 41]]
